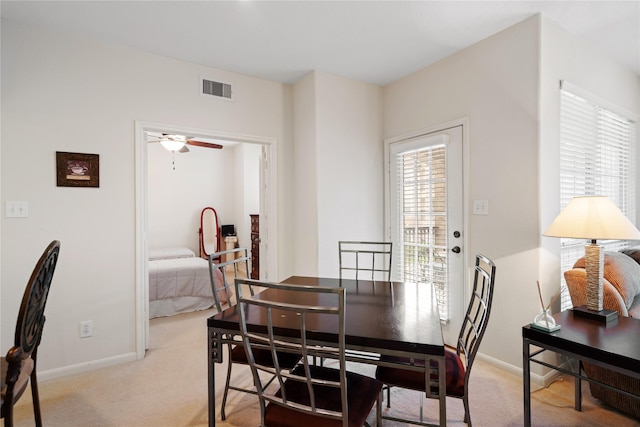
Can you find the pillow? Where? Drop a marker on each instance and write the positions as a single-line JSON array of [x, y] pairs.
[[170, 253], [622, 272], [633, 253]]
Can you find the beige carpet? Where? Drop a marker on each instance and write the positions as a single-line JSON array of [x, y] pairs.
[[169, 388]]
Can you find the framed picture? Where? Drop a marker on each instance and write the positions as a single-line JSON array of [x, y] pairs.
[[77, 169]]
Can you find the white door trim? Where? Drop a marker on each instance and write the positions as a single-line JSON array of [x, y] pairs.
[[141, 214]]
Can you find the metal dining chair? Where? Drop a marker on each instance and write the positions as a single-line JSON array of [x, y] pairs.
[[19, 366], [309, 395], [458, 364], [365, 260], [222, 285]]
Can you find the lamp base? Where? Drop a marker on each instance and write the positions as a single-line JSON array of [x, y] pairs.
[[603, 316]]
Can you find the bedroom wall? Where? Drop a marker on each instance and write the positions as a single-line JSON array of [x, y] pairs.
[[246, 189], [68, 94], [202, 177]]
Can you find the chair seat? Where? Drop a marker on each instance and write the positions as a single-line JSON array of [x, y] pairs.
[[263, 357], [362, 393], [415, 380], [23, 379]]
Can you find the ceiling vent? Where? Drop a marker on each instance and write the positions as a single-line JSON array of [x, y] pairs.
[[217, 89]]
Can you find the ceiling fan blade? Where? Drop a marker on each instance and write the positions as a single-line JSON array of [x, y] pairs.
[[203, 144]]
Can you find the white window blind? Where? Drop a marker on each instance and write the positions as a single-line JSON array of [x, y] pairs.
[[596, 158], [422, 209]]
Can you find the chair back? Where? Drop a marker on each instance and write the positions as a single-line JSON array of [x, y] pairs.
[[302, 308], [365, 260], [30, 323], [223, 284], [477, 316]]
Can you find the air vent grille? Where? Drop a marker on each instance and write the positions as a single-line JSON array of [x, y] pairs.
[[219, 89]]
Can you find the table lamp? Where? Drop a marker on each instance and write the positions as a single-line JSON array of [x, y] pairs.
[[593, 218]]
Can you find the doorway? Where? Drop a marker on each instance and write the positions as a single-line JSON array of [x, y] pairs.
[[268, 210], [426, 217]]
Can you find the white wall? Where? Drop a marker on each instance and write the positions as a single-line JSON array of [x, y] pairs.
[[60, 93], [507, 85], [566, 57], [494, 83], [338, 168], [247, 188], [349, 165], [66, 94], [304, 228], [202, 177]]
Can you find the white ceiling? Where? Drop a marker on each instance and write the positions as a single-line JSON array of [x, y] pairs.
[[372, 41]]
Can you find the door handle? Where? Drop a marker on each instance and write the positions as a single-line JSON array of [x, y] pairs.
[[455, 249]]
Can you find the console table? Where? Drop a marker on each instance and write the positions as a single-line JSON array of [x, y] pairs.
[[615, 347]]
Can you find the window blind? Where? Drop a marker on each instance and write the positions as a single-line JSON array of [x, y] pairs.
[[422, 209], [596, 158]]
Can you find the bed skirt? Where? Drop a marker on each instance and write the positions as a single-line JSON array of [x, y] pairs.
[[185, 304]]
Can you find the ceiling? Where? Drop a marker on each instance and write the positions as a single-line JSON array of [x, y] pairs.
[[372, 41]]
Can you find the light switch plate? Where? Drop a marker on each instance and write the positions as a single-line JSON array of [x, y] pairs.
[[17, 209], [481, 207]]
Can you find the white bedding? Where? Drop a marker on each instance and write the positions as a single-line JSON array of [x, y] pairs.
[[178, 285]]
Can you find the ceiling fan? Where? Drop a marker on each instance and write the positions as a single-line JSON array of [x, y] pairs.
[[174, 142]]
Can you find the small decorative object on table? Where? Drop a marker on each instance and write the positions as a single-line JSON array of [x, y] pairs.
[[545, 321]]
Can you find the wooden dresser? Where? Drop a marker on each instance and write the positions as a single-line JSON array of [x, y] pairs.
[[255, 247]]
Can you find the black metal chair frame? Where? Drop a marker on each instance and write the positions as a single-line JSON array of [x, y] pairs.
[[28, 334], [472, 329], [302, 344], [240, 257], [365, 260]]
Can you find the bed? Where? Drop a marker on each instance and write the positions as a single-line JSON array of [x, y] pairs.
[[179, 282]]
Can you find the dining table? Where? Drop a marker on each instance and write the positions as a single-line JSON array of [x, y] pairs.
[[382, 318]]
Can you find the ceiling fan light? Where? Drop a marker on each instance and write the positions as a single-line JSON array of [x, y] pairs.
[[172, 144]]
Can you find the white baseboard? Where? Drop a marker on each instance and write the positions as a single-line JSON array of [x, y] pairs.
[[87, 366], [537, 379]]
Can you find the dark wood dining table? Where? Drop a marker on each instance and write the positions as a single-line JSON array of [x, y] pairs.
[[381, 318]]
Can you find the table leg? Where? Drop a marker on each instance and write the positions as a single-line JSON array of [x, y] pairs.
[[442, 383], [526, 380], [212, 379], [578, 387]]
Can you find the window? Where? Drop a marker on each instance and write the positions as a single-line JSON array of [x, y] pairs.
[[596, 158], [423, 226]]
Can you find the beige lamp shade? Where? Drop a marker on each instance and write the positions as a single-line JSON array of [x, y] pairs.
[[592, 217]]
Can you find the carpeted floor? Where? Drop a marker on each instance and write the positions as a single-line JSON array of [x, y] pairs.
[[169, 389]]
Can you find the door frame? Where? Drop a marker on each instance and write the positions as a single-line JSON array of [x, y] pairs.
[[425, 132], [270, 238]]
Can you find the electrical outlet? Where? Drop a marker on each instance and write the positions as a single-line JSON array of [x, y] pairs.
[[86, 329]]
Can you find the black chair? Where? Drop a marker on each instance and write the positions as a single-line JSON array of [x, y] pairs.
[[222, 286], [365, 260], [19, 365], [309, 395], [458, 364]]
